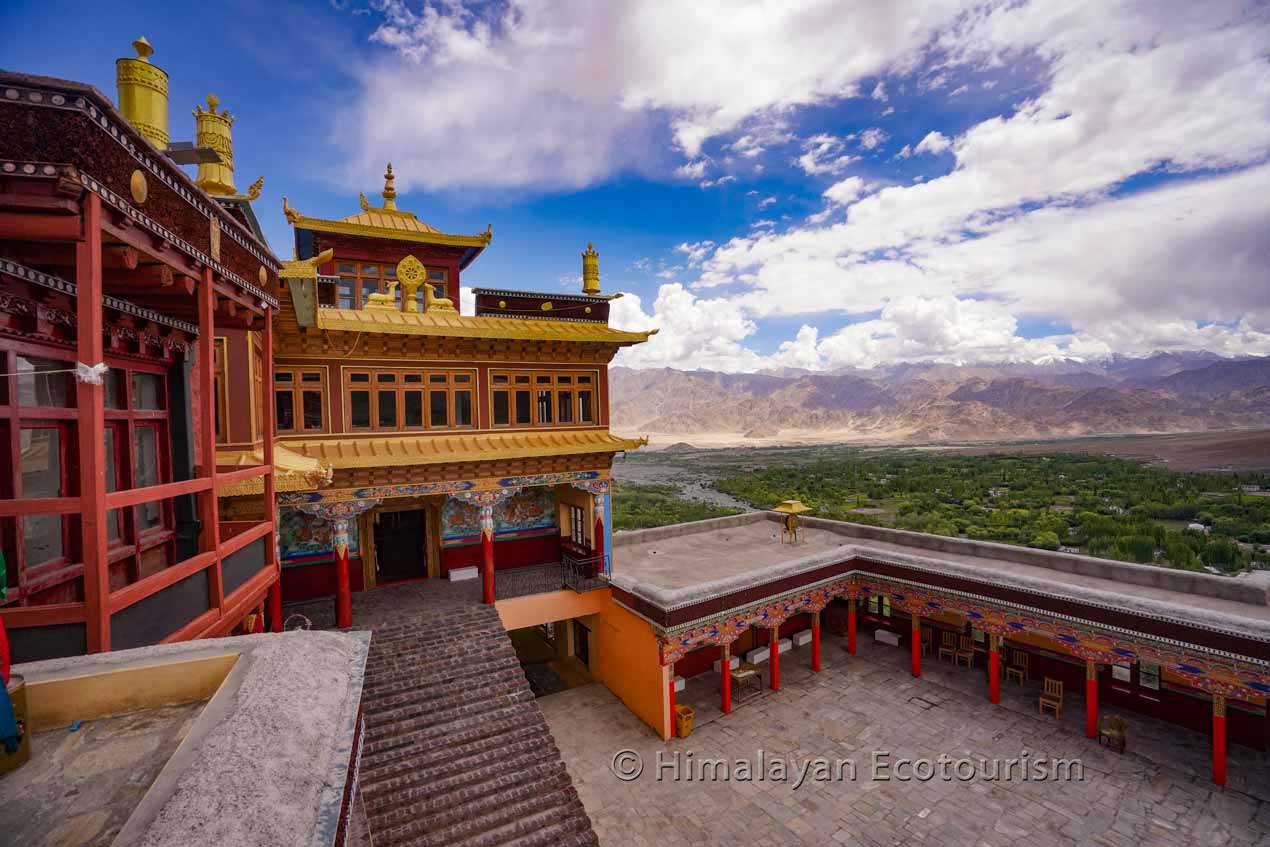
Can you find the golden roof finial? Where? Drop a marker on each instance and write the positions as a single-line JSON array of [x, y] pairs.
[[212, 102], [143, 49], [590, 270], [390, 193]]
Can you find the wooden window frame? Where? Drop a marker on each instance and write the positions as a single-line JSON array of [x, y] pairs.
[[220, 348], [578, 525], [121, 423], [296, 388], [554, 388], [399, 387], [363, 282]]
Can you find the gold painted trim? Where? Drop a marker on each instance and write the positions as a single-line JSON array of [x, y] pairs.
[[468, 326], [411, 450], [479, 484], [367, 231]]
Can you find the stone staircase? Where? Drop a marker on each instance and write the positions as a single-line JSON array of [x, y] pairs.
[[456, 750]]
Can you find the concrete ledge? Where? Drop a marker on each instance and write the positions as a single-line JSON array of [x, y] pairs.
[[757, 656], [284, 716], [802, 638], [1253, 590]]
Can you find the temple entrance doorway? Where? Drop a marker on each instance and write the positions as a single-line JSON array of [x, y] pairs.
[[400, 546]]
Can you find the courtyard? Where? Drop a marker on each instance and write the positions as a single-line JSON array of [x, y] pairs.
[[1158, 793]]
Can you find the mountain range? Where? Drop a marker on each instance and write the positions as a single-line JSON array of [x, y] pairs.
[[913, 402]]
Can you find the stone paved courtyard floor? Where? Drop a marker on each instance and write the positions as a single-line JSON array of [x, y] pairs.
[[1157, 794]]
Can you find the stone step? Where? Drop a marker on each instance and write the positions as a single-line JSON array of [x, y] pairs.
[[562, 826], [479, 745], [427, 734], [433, 727], [499, 826], [479, 790], [415, 681], [456, 749]]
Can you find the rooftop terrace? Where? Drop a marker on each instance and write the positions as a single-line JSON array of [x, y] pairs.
[[241, 740], [678, 566]]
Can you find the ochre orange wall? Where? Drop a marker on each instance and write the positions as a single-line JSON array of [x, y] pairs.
[[624, 653], [538, 609], [626, 658]]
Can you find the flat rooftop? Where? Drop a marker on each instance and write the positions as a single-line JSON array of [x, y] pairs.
[[243, 740], [678, 565]]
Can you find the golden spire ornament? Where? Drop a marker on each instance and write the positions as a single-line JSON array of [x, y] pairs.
[[590, 271], [390, 193]]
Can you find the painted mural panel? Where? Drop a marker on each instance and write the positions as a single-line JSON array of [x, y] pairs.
[[304, 536], [531, 512]]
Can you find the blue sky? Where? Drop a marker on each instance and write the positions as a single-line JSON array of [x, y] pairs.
[[820, 184]]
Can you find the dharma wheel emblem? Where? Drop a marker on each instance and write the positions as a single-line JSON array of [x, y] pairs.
[[411, 274]]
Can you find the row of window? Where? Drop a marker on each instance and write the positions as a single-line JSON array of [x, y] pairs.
[[358, 279], [394, 399], [50, 384], [542, 399], [410, 400], [37, 404]]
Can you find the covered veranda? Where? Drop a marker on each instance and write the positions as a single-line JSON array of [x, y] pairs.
[[758, 622]]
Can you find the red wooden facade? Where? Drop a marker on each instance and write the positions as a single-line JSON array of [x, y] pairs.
[[114, 263]]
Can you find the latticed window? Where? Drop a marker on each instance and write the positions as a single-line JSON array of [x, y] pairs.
[[359, 279], [542, 399], [398, 399], [38, 419], [577, 525], [299, 398]]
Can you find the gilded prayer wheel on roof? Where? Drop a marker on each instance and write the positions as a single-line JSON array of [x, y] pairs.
[[143, 94]]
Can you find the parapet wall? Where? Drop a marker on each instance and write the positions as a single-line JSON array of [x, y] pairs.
[[1252, 589]]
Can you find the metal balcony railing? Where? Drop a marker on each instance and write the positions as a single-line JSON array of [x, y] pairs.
[[585, 573], [578, 573]]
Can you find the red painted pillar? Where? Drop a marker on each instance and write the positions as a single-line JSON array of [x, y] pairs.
[[815, 641], [670, 689], [775, 657], [90, 406], [994, 668], [343, 594], [275, 607], [1091, 699], [1219, 740], [598, 544], [851, 627], [915, 635], [269, 427], [205, 433], [487, 554], [725, 678]]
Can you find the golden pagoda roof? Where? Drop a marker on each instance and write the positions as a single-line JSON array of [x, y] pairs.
[[792, 507], [291, 471], [386, 221], [470, 326], [415, 450]]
